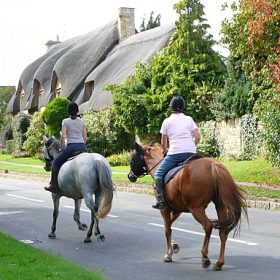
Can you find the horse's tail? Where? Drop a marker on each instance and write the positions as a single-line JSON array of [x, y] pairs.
[[228, 196], [106, 188]]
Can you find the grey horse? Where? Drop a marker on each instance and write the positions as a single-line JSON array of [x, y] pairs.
[[85, 175]]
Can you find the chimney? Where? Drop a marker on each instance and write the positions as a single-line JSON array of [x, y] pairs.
[[126, 23], [50, 43]]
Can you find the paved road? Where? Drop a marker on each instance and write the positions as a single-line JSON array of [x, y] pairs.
[[135, 242]]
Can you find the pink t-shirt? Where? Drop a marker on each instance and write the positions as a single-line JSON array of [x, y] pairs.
[[178, 128]]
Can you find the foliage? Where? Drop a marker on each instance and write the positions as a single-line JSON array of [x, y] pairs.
[[119, 159], [250, 139], [34, 142], [104, 135], [5, 95], [208, 147], [235, 98], [269, 115], [188, 66], [53, 115], [7, 132], [20, 124], [253, 37], [130, 102], [10, 146], [5, 119], [152, 22]]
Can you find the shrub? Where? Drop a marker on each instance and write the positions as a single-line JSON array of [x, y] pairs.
[[119, 159], [104, 135], [208, 146], [53, 115], [20, 124], [34, 142], [10, 147]]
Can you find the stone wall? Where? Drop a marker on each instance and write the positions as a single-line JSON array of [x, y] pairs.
[[229, 138]]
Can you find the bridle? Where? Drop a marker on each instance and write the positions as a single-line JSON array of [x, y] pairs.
[[146, 171], [48, 147]]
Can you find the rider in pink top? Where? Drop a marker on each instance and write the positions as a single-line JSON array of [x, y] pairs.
[[179, 137]]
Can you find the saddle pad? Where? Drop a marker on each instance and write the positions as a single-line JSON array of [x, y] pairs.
[[172, 172]]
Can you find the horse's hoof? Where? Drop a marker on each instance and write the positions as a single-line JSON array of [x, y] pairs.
[[216, 268], [206, 263], [87, 240], [83, 227], [175, 248], [51, 235], [101, 238], [167, 258]]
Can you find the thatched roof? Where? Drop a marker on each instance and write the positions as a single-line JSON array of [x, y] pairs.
[[122, 61], [95, 57]]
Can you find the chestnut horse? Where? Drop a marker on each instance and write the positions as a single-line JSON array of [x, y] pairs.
[[200, 182]]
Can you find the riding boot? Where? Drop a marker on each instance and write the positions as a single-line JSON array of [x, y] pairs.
[[160, 196], [54, 182]]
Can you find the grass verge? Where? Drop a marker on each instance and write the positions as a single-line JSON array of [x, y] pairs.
[[23, 262], [256, 171]]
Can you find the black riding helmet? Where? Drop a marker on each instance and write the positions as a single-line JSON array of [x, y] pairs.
[[72, 109], [177, 104]]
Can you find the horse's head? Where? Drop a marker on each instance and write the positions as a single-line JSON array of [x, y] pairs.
[[137, 163], [50, 150]]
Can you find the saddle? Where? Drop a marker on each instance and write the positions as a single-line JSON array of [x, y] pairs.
[[76, 154], [172, 172]]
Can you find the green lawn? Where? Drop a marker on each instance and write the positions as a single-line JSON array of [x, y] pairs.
[[256, 171], [23, 262]]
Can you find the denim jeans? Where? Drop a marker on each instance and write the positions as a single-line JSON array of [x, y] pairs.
[[169, 162], [68, 152]]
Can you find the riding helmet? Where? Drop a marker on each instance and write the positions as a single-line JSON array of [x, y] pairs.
[[72, 109], [177, 104]]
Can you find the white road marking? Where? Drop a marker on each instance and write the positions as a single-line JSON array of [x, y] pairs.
[[202, 234], [87, 210], [10, 213], [27, 241], [25, 198]]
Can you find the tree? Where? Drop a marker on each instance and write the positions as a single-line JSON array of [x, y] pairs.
[[235, 98], [188, 66], [152, 23], [5, 95], [130, 101], [253, 39]]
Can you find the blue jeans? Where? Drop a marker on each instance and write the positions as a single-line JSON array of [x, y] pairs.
[[169, 162], [68, 152]]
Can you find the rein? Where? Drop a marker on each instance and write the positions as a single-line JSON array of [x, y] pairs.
[[148, 171]]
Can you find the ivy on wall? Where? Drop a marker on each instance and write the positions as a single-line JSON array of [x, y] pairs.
[[249, 137]]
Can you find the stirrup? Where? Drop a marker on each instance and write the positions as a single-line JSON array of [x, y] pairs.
[[159, 205]]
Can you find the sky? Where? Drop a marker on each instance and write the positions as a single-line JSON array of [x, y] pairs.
[[27, 25]]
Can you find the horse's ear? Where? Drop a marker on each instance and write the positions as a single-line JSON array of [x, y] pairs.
[[152, 143], [45, 138], [138, 147]]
